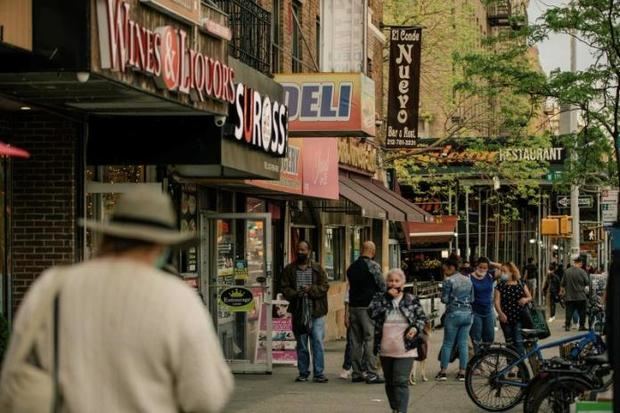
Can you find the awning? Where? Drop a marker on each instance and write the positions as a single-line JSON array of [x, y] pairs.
[[12, 151], [440, 231], [377, 201]]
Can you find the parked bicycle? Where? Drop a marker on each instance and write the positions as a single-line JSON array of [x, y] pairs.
[[561, 382], [496, 379]]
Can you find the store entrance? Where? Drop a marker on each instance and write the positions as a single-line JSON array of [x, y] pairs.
[[237, 275]]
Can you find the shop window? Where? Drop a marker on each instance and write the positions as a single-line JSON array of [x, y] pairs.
[[333, 253], [358, 236]]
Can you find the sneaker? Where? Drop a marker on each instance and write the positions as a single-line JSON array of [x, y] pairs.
[[551, 319], [374, 380], [460, 377], [301, 379], [566, 328], [320, 379], [358, 379], [346, 374], [441, 377]]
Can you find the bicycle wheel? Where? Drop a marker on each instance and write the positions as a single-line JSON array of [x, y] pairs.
[[481, 380], [558, 394]]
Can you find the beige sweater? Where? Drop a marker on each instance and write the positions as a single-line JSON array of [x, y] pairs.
[[132, 339]]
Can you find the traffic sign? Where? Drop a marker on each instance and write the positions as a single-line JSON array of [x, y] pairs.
[[585, 201], [590, 234], [609, 206]]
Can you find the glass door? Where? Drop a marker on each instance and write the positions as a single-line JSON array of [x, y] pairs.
[[238, 279]]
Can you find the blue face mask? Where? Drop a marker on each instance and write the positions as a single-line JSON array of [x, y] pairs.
[[162, 260], [504, 277]]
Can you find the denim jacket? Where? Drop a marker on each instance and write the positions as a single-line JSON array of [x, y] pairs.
[[457, 293]]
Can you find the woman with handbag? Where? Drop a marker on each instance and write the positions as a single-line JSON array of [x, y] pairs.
[[511, 298], [399, 325]]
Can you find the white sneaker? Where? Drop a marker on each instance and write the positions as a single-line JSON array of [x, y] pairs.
[[346, 374], [551, 319]]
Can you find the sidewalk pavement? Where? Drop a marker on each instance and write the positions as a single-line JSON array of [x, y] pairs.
[[279, 392]]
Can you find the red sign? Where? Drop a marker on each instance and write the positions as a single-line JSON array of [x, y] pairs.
[[291, 172], [320, 159], [163, 52]]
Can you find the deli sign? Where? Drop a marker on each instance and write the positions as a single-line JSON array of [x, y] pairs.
[[164, 53]]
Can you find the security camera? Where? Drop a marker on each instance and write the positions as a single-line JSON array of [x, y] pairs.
[[219, 120]]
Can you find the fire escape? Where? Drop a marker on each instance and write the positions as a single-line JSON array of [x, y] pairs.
[[251, 32], [504, 14]]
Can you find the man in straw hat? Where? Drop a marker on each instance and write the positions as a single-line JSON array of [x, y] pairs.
[[130, 338]]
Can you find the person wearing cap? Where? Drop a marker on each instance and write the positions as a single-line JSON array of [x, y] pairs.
[[574, 288], [130, 338]]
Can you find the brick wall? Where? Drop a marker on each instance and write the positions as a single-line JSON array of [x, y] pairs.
[[43, 198]]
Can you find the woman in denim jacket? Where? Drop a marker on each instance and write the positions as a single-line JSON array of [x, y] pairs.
[[399, 326], [457, 294]]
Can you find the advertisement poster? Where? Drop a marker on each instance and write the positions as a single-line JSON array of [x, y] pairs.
[[283, 338], [403, 87]]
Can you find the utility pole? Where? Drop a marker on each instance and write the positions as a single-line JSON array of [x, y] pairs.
[[568, 125]]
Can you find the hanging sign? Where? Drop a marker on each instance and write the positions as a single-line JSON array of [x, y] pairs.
[[259, 121], [403, 87], [165, 53], [237, 299]]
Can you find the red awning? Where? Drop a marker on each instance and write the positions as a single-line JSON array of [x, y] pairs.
[[12, 151], [440, 231]]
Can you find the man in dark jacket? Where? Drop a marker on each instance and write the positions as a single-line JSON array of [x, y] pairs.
[[305, 279], [365, 281], [575, 288]]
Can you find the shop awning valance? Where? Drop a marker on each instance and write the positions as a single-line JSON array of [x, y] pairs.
[[12, 151], [379, 202], [440, 231]]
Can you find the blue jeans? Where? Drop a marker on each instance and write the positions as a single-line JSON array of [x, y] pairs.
[[456, 330], [482, 330], [514, 336], [316, 344]]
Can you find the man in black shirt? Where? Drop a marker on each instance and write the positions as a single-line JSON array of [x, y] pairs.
[[365, 280], [530, 275]]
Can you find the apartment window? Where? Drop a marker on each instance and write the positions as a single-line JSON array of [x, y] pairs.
[[318, 41], [276, 36], [297, 65]]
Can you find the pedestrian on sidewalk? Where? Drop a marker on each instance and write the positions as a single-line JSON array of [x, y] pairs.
[[458, 295], [347, 364], [511, 297], [483, 327], [120, 334], [530, 276], [551, 290], [306, 279], [365, 281], [399, 321], [574, 288]]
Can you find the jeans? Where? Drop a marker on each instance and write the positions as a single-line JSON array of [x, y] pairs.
[[580, 308], [514, 336], [482, 330], [362, 342], [552, 304], [396, 372], [316, 344], [456, 330]]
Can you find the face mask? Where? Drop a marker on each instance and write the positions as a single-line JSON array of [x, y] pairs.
[[504, 277], [302, 258], [162, 260]]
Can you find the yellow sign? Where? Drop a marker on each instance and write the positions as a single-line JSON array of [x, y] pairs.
[[357, 154]]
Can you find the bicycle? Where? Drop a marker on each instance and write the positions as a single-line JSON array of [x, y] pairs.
[[561, 382], [496, 379]]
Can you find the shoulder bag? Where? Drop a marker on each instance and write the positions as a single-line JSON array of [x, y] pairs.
[[26, 387]]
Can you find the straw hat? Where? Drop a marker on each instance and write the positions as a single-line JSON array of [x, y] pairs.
[[144, 214]]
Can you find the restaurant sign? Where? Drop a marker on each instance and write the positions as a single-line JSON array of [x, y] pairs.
[[531, 154], [166, 53], [358, 155], [329, 104], [403, 87]]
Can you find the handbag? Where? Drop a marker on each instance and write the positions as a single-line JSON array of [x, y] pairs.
[[26, 387], [302, 319]]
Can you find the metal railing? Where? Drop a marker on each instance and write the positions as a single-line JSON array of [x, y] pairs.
[[251, 32], [498, 13]]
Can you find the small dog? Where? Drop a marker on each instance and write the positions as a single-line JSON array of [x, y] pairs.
[[422, 355]]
